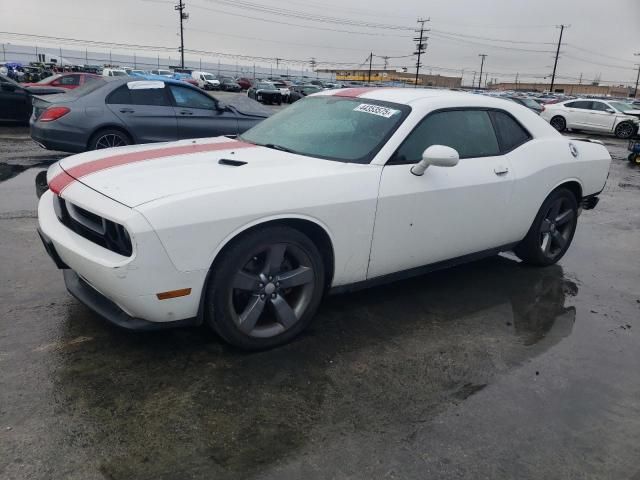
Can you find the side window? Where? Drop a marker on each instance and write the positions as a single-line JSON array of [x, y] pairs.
[[509, 132], [120, 96], [584, 104], [188, 98], [599, 106], [470, 132], [156, 97]]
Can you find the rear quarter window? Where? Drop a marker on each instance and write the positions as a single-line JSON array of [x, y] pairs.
[[509, 132]]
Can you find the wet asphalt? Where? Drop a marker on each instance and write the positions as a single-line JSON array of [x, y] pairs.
[[490, 370]]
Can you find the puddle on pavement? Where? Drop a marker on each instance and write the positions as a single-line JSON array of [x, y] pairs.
[[373, 361], [8, 170]]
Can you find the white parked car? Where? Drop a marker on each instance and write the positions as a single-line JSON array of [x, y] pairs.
[[206, 80], [162, 73], [603, 116], [344, 189], [114, 72]]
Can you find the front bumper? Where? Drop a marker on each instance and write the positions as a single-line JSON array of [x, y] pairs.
[[108, 310], [132, 283]]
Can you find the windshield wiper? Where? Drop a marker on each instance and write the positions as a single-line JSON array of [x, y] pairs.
[[278, 147]]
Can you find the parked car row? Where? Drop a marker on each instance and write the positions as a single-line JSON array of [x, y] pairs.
[[16, 99]]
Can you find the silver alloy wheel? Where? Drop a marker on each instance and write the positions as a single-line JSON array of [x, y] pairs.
[[271, 292], [110, 140], [556, 228]]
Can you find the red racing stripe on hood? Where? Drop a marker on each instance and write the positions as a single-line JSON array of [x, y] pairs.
[[354, 92], [66, 177]]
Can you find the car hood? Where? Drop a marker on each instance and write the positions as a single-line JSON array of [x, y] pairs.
[[140, 174], [633, 113]]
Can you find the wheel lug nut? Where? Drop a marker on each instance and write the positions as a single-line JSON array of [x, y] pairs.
[[262, 297], [260, 285], [277, 284], [270, 278], [273, 295]]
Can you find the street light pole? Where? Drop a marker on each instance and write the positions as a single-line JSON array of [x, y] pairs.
[[635, 90]]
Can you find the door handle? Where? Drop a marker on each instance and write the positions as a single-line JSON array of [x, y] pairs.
[[186, 112], [126, 110], [501, 170]]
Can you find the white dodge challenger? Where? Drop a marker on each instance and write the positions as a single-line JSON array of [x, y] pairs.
[[344, 189]]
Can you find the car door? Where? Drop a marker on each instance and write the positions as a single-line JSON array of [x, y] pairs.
[[602, 117], [15, 104], [447, 212], [145, 110], [198, 114], [578, 113]]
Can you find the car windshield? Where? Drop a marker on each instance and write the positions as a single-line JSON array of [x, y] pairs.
[[266, 86], [49, 79], [621, 106], [208, 76], [334, 128], [118, 73]]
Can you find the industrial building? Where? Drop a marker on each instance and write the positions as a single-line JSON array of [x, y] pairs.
[[395, 76]]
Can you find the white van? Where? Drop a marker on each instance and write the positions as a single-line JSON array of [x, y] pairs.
[[114, 72], [206, 80]]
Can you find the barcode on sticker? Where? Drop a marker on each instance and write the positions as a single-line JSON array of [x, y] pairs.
[[376, 110]]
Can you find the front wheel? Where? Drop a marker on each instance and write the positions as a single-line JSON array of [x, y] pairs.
[[552, 230], [265, 289], [624, 130]]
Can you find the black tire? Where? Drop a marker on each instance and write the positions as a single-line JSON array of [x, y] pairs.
[[634, 158], [559, 123], [108, 138], [624, 130], [552, 230], [245, 293]]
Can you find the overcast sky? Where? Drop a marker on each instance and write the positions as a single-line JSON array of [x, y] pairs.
[[519, 35]]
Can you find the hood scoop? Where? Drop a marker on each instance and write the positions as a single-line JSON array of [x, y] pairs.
[[231, 163]]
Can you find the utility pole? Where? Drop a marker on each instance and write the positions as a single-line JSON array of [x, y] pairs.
[[483, 55], [4, 54], [183, 16], [580, 79], [278, 64], [421, 46], [555, 64], [635, 90], [473, 82], [386, 61], [135, 60], [313, 64], [370, 62]]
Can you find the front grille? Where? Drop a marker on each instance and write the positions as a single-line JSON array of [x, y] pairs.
[[94, 228]]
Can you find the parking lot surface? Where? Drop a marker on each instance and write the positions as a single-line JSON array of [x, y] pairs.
[[490, 370]]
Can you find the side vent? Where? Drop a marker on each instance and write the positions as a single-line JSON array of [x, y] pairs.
[[231, 163]]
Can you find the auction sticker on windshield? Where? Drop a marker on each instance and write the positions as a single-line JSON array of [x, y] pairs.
[[376, 110]]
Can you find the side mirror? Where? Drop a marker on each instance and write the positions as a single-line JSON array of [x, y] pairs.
[[610, 110], [438, 156]]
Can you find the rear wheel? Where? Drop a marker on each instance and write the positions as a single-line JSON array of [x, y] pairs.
[[624, 130], [109, 138], [559, 123], [552, 230], [265, 289], [634, 158]]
